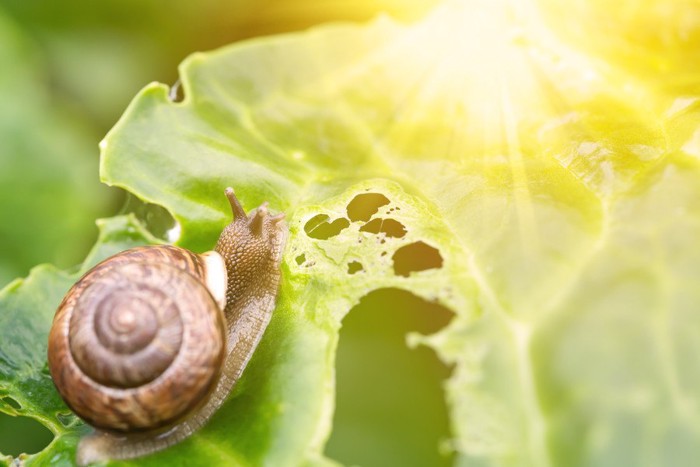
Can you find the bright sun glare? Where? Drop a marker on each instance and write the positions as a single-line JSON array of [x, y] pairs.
[[492, 66]]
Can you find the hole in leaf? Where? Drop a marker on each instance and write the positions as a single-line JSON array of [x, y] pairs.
[[66, 418], [318, 227], [390, 227], [390, 406], [301, 259], [363, 206], [12, 403], [414, 257], [157, 219], [355, 266], [315, 221], [22, 435]]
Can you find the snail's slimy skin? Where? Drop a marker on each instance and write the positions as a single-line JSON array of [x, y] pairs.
[[140, 347]]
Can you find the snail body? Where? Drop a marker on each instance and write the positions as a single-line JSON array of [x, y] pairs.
[[148, 344]]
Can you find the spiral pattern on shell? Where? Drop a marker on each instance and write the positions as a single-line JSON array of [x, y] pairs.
[[139, 340]]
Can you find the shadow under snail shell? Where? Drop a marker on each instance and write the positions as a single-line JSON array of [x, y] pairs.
[[148, 344]]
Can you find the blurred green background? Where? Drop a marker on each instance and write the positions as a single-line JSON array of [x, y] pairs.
[[67, 71]]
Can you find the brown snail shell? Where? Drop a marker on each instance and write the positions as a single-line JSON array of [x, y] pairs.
[[139, 339], [148, 344]]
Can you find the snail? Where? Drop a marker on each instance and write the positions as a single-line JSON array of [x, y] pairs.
[[148, 344]]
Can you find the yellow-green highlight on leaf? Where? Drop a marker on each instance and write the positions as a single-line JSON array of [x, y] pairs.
[[556, 189]]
